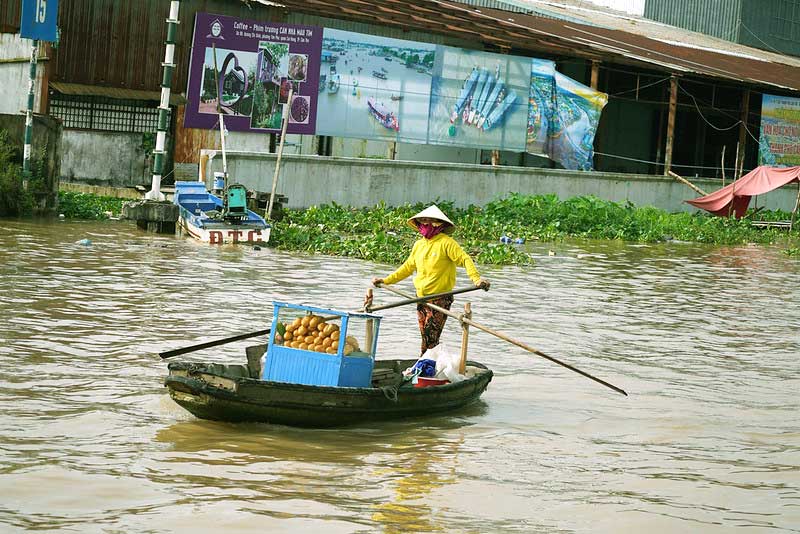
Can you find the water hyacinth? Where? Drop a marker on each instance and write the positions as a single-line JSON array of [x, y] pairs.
[[381, 234]]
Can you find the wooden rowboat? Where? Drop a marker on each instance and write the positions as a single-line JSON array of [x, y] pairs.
[[234, 393]]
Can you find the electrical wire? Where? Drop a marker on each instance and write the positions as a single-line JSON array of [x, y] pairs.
[[673, 165], [616, 156], [759, 38], [737, 123], [662, 80]]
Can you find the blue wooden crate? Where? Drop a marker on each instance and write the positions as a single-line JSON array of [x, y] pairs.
[[298, 366]]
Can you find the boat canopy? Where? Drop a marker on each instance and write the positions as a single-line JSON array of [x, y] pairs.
[[734, 198]]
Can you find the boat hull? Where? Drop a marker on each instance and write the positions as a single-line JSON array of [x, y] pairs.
[[225, 234], [228, 393]]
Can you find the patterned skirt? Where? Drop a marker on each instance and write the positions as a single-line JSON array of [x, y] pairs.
[[431, 322]]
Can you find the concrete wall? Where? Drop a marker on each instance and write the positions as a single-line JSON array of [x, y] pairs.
[[104, 158], [15, 69], [315, 180], [361, 148]]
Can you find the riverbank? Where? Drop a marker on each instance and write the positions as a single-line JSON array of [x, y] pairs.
[[381, 234]]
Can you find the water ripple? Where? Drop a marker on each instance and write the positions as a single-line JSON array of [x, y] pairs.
[[703, 338]]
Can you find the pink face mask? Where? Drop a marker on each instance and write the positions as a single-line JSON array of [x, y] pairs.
[[429, 230]]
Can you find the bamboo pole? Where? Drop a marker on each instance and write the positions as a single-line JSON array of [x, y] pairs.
[[463, 319], [796, 206], [684, 181], [737, 173], [221, 118], [462, 366], [280, 153]]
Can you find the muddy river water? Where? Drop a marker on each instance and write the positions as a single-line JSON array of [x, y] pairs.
[[706, 340]]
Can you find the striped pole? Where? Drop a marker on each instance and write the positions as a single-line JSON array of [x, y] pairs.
[[163, 109], [26, 158]]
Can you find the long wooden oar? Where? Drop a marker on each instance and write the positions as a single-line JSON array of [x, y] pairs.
[[209, 344], [510, 340]]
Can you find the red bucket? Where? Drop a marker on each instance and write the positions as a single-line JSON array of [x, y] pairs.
[[424, 381]]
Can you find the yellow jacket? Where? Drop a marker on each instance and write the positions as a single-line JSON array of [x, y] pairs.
[[435, 262]]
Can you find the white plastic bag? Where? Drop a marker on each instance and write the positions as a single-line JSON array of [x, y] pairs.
[[447, 362]]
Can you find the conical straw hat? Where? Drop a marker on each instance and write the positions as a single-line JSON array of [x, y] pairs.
[[433, 212]]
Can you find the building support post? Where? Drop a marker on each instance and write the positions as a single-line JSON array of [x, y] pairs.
[[26, 158], [595, 74], [737, 171], [673, 106], [594, 80], [159, 153]]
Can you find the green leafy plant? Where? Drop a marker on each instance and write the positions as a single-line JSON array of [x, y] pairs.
[[14, 199], [381, 234], [87, 206]]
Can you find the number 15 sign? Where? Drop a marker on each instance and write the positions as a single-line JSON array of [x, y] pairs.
[[38, 19]]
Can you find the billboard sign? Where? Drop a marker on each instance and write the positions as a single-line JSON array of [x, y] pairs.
[[245, 69], [779, 142]]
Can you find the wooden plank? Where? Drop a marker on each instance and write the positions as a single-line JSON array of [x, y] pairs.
[[772, 224]]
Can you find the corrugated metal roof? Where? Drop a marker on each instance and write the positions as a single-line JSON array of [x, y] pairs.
[[114, 92], [719, 18], [373, 29], [505, 31], [594, 15], [521, 6]]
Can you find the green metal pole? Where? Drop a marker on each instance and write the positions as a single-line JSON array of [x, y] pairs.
[[159, 154], [26, 159]]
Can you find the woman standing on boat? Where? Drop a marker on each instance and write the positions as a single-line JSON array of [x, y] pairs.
[[434, 257]]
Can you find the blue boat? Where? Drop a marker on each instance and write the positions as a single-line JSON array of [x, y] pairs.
[[218, 221], [496, 116], [496, 96], [466, 91], [482, 79]]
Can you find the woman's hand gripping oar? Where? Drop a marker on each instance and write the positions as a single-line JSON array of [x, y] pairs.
[[510, 340]]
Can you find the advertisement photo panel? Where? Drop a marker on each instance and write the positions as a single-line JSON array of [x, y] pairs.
[[374, 87], [479, 99]]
